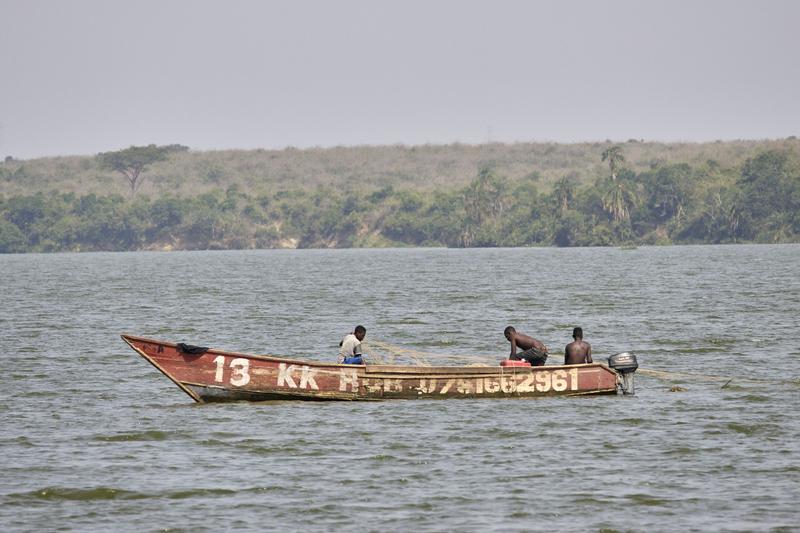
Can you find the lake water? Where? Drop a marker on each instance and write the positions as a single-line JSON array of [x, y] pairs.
[[95, 439]]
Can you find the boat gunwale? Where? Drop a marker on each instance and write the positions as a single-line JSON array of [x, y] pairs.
[[372, 369]]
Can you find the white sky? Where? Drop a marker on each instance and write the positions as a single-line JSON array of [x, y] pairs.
[[84, 76]]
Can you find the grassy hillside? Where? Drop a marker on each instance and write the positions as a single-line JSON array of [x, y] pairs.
[[368, 168], [456, 195]]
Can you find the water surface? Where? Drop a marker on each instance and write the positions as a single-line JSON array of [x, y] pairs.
[[94, 438]]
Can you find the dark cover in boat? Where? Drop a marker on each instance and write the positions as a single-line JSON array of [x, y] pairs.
[[190, 348]]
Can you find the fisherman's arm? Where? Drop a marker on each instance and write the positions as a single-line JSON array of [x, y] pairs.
[[539, 345]]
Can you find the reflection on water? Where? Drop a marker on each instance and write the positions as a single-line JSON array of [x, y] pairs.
[[94, 438]]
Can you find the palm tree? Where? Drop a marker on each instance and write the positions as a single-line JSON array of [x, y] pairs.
[[564, 191], [614, 157], [616, 199], [484, 197]]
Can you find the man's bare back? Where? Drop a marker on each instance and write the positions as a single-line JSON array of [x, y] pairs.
[[531, 350], [578, 351], [522, 341]]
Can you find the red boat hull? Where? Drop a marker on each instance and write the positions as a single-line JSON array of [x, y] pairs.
[[217, 375]]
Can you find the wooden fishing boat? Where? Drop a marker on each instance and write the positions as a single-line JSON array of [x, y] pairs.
[[211, 375]]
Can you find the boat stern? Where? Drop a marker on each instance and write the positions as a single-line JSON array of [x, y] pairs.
[[625, 365]]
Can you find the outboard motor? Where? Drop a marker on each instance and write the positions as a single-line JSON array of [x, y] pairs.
[[625, 364]]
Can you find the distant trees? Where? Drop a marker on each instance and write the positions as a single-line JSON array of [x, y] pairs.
[[564, 192], [770, 189], [132, 162], [757, 201], [668, 191], [12, 239], [483, 202]]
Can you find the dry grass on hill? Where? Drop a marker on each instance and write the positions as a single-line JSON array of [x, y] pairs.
[[371, 167]]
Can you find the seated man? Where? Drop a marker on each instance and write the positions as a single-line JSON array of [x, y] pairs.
[[578, 351], [533, 351], [350, 351]]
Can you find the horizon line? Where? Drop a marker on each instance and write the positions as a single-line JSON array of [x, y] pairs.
[[290, 147]]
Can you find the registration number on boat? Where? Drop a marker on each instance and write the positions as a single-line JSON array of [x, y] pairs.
[[540, 381]]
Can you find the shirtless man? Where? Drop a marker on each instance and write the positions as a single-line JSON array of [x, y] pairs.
[[578, 351], [533, 350]]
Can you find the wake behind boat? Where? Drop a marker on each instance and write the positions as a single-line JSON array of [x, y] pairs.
[[212, 375]]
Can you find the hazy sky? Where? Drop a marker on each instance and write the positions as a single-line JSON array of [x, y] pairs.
[[84, 76]]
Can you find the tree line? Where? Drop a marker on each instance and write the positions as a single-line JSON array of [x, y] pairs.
[[664, 204], [425, 167]]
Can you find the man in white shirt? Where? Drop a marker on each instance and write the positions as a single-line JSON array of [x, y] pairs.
[[350, 347]]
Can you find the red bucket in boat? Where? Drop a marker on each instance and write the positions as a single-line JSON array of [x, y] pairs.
[[509, 362]]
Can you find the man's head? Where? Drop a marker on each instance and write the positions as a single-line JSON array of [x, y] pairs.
[[360, 332], [508, 332], [577, 333]]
